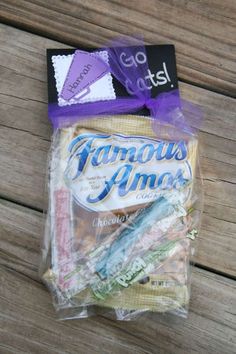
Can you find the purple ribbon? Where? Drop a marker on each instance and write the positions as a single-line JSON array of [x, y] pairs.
[[166, 108]]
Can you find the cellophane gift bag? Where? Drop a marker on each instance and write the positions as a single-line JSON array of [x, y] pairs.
[[124, 191]]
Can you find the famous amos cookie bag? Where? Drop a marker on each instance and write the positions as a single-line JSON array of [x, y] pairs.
[[125, 194]]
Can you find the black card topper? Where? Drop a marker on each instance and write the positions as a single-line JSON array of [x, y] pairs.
[[161, 75]]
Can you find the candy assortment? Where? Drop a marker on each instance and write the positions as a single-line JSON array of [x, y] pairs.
[[122, 219]]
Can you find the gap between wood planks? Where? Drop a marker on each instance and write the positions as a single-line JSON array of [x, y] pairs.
[[28, 29], [47, 35], [223, 133], [210, 324], [203, 32], [28, 128], [40, 287], [209, 328]]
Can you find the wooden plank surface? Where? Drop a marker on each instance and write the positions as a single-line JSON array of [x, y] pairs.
[[25, 135], [204, 32], [27, 319]]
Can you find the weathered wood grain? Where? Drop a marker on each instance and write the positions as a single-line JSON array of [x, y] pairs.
[[21, 231], [25, 135], [28, 323], [27, 319], [204, 32]]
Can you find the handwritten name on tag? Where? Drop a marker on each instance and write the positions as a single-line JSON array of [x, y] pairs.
[[85, 69]]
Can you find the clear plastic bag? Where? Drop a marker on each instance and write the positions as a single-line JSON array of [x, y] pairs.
[[124, 211]]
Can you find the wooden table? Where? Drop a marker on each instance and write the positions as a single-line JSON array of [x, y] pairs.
[[204, 33]]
